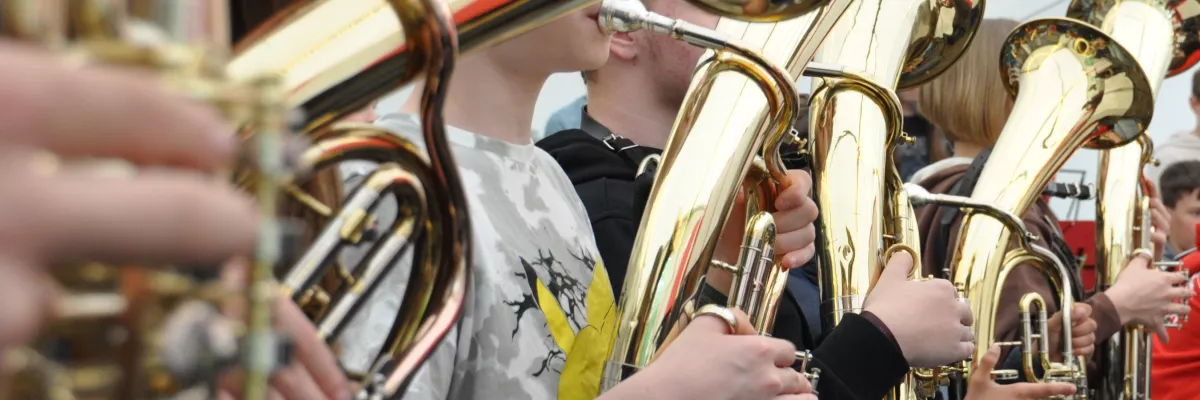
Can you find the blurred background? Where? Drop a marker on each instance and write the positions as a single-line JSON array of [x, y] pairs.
[[1171, 113]]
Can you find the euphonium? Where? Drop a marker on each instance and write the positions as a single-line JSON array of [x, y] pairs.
[[864, 213], [1073, 84], [327, 59], [726, 121], [1161, 36]]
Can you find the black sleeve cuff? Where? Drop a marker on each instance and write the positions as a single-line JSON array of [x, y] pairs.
[[710, 295], [859, 358]]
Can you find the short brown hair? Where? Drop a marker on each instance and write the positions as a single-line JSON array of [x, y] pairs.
[[968, 101], [1178, 180]]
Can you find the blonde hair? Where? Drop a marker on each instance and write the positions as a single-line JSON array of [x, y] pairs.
[[968, 101]]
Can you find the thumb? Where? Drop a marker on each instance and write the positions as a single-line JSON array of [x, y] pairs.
[[1080, 313], [898, 267], [983, 368], [1139, 261], [1161, 330]]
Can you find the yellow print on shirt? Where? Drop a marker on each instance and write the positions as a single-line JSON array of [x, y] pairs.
[[585, 350]]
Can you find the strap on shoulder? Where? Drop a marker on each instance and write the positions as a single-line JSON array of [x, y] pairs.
[[963, 187], [629, 151]]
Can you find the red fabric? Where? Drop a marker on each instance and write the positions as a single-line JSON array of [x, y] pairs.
[[1176, 365], [1081, 236]]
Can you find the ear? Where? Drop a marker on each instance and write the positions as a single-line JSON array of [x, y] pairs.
[[1195, 103], [623, 46]]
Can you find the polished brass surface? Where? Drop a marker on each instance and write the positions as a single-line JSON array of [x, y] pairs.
[[1133, 18], [1122, 226], [855, 125], [1161, 35], [736, 115], [291, 62], [1073, 84], [1072, 369], [337, 56], [942, 32], [853, 129], [759, 10], [334, 58], [117, 332]]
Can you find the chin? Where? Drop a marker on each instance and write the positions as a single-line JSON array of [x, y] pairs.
[[584, 60], [595, 61]]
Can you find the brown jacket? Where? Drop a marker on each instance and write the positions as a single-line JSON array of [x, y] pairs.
[[1023, 279]]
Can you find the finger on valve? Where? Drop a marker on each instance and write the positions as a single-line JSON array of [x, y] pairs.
[[315, 358], [792, 382], [150, 209], [983, 367], [197, 138]]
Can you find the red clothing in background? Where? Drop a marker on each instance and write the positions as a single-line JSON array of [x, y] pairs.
[[1176, 365]]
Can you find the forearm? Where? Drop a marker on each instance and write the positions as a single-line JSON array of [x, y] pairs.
[[643, 385]]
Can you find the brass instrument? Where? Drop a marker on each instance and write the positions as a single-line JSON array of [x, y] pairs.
[[864, 214], [113, 320], [1073, 85], [710, 157], [1161, 36], [328, 59], [1049, 265]]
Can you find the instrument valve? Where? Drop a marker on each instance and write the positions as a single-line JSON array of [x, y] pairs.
[[814, 378], [804, 357], [1174, 320]]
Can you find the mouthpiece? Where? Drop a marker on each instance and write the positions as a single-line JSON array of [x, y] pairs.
[[625, 16]]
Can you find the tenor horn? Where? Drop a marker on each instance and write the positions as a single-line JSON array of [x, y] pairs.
[[865, 215], [1162, 36], [1073, 85], [325, 59], [741, 104]]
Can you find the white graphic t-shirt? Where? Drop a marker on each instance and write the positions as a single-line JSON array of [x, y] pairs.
[[539, 317]]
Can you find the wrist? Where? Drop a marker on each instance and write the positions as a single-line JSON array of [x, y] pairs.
[[1120, 301], [643, 385], [874, 320], [718, 278]]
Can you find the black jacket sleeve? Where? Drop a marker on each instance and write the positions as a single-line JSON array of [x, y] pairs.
[[858, 361]]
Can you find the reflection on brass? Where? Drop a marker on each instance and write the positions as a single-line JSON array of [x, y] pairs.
[[855, 124], [1162, 37], [1073, 85], [736, 115], [141, 333]]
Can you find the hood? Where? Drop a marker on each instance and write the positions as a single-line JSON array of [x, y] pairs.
[[585, 158], [937, 174]]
